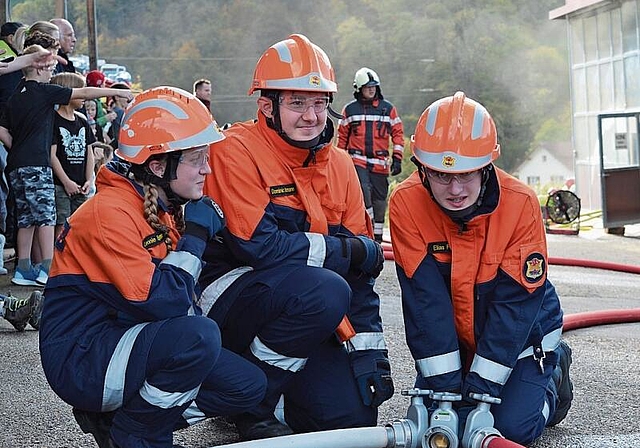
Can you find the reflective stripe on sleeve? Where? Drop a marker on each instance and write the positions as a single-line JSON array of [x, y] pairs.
[[317, 249], [490, 370], [212, 293], [113, 392], [166, 400], [366, 341], [440, 364], [265, 354], [185, 261], [550, 342]]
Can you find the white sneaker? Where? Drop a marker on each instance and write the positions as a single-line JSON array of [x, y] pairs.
[[42, 278]]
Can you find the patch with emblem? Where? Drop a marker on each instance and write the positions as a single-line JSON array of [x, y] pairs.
[[534, 267], [439, 247], [283, 190], [314, 80], [448, 161], [154, 239]]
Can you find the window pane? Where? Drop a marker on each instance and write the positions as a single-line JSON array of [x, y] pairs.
[[606, 86], [577, 41], [593, 89], [590, 39], [579, 90], [618, 73], [604, 35], [629, 29], [631, 68], [616, 32]]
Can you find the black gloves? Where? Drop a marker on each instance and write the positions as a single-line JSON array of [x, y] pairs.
[[396, 167], [372, 372], [367, 256], [203, 218]]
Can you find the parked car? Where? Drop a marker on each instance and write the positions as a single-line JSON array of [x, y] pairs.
[[112, 70]]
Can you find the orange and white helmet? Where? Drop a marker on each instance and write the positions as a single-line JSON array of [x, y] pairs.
[[162, 120], [455, 135], [294, 64]]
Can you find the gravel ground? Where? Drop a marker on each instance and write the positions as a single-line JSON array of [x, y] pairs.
[[605, 412]]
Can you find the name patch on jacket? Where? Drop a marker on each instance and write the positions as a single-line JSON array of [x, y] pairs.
[[534, 267], [283, 190], [441, 247], [154, 239]]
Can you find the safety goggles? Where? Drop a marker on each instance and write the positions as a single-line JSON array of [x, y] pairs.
[[302, 104], [196, 159], [446, 178]]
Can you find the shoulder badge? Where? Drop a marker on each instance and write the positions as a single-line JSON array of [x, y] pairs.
[[534, 267]]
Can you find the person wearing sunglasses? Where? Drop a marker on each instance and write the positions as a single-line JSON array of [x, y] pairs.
[[297, 255], [481, 316]]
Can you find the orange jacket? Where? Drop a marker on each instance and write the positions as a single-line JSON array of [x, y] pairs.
[[280, 213], [482, 282]]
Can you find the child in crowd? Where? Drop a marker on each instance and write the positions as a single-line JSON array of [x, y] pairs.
[[91, 108], [117, 105], [71, 157], [25, 130]]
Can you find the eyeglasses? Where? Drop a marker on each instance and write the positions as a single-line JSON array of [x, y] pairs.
[[196, 159], [302, 104], [446, 178]]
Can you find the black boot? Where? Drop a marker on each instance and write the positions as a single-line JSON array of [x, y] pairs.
[[251, 427], [98, 424], [564, 386]]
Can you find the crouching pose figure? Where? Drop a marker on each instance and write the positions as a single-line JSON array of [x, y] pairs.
[[121, 338], [471, 254]]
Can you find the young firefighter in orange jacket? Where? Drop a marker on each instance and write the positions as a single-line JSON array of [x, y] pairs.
[[297, 254], [121, 339], [368, 122], [471, 255]]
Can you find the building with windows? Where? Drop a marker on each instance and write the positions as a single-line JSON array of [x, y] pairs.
[[550, 165], [604, 52]]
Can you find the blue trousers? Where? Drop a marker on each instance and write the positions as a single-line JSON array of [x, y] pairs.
[[177, 373], [294, 311]]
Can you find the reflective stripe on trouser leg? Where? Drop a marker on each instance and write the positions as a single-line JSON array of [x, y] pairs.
[[182, 353], [234, 386]]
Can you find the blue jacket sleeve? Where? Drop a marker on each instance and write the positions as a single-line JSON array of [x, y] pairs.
[[429, 326]]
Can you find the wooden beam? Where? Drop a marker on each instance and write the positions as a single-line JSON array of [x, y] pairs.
[[92, 35]]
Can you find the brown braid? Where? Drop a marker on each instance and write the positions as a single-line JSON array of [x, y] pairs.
[[151, 213], [178, 217]]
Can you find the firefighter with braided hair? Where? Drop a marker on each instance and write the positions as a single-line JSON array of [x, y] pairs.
[[480, 314], [297, 255], [122, 339]]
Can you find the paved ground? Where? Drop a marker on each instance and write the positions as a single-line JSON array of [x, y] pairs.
[[606, 408]]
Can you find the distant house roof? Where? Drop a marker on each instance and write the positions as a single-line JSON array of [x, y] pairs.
[[562, 151]]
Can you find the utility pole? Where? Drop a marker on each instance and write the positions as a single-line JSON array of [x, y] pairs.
[[5, 10], [92, 35], [61, 9]]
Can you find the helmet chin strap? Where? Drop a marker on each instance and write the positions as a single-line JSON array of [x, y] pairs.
[[143, 174], [312, 145]]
